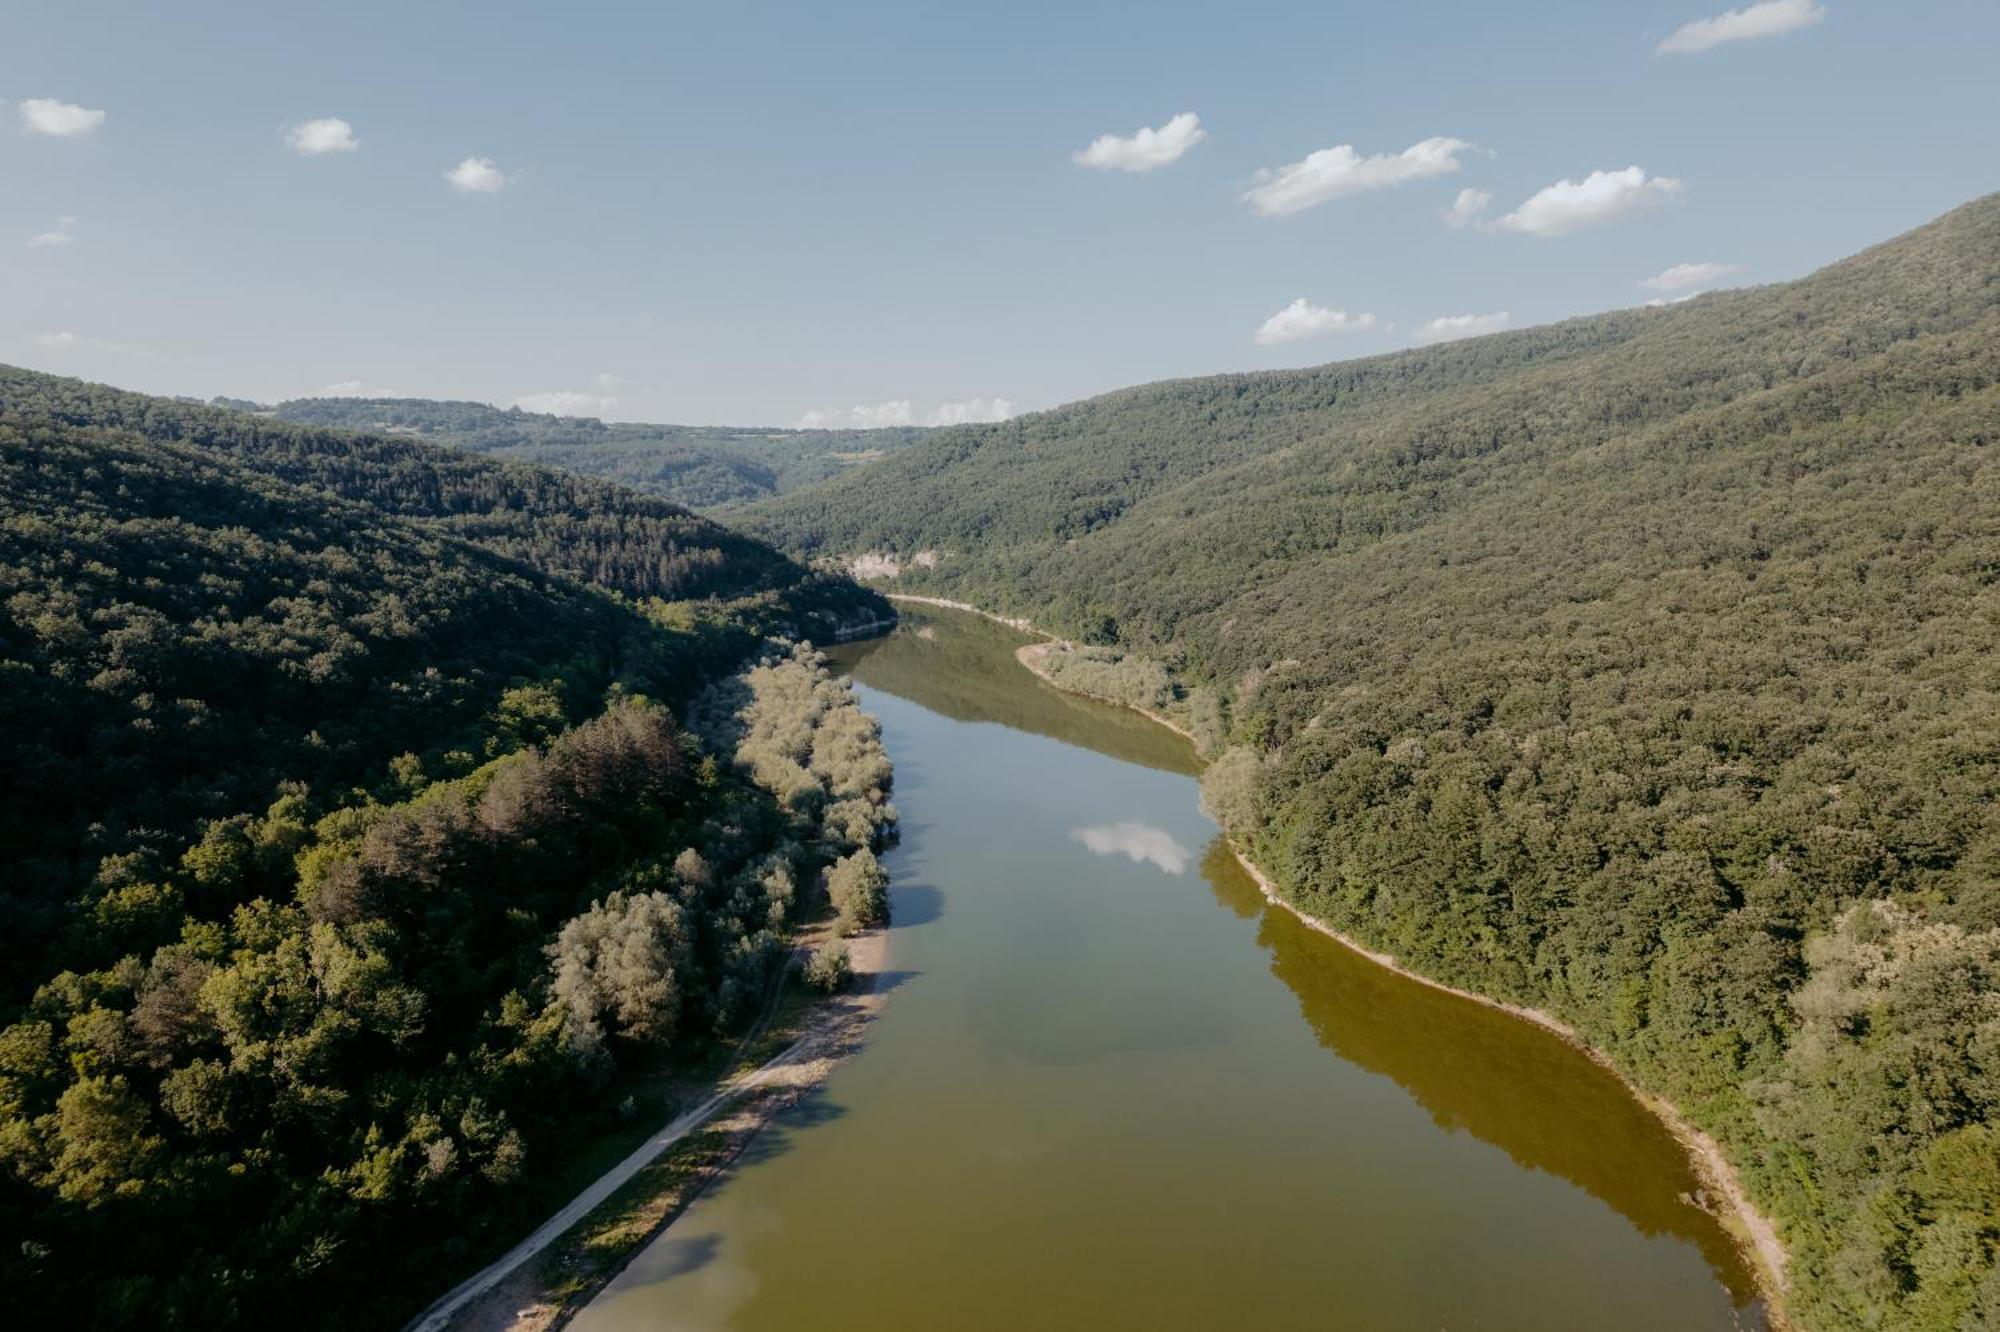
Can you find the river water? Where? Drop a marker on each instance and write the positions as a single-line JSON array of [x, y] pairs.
[[1114, 1089]]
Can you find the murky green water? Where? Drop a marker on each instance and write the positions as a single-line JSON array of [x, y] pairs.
[[1115, 1090]]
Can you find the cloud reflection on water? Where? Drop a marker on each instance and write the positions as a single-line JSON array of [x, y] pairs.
[[1141, 843]]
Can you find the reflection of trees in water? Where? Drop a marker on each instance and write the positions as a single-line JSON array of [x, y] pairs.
[[963, 666], [1479, 1070], [1470, 1067]]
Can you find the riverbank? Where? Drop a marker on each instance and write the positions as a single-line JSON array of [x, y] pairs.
[[1726, 1199], [1751, 1229], [1034, 655], [543, 1282], [969, 609]]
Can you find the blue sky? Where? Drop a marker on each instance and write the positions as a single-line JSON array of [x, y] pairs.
[[744, 213]]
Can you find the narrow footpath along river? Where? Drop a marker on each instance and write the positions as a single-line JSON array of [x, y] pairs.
[[1115, 1089]]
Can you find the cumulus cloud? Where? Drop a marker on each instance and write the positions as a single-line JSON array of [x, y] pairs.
[[1681, 277], [1771, 18], [1449, 328], [64, 233], [477, 175], [329, 134], [895, 412], [1467, 208], [1600, 197], [605, 379], [1303, 319], [1334, 173], [564, 402], [1141, 843], [1146, 150], [971, 411], [62, 120]]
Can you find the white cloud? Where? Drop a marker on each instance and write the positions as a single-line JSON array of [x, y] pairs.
[[1467, 208], [605, 379], [63, 120], [895, 412], [477, 175], [902, 412], [329, 134], [1449, 328], [971, 411], [1333, 173], [564, 402], [64, 233], [1683, 276], [1771, 18], [1145, 150], [1302, 319], [355, 388], [1600, 197], [1141, 843], [68, 342]]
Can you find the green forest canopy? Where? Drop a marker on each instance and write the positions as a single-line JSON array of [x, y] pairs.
[[353, 849], [704, 467], [1643, 667]]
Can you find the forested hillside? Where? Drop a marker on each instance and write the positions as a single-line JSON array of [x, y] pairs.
[[354, 853], [1644, 668], [704, 467]]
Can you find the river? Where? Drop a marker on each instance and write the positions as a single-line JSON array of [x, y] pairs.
[[1114, 1088]]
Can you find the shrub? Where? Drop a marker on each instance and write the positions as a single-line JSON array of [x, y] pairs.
[[829, 968], [859, 889]]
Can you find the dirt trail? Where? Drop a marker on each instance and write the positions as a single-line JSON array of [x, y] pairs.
[[834, 1032]]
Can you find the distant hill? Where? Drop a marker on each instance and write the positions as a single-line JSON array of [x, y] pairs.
[[314, 746], [1643, 667], [703, 467]]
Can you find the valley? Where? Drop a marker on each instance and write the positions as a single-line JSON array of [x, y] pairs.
[[1114, 1086], [428, 838]]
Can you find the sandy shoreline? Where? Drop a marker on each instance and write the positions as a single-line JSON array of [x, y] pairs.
[[1752, 1230]]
